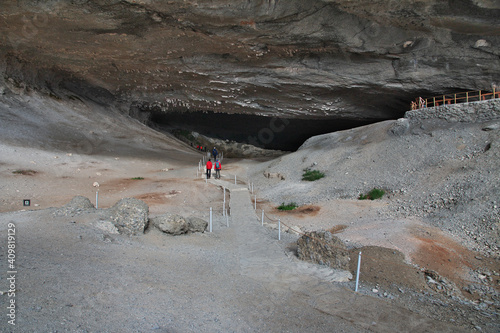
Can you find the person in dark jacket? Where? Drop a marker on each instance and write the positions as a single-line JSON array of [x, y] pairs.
[[214, 153], [209, 168]]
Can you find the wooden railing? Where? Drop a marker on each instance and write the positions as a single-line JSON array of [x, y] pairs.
[[465, 97]]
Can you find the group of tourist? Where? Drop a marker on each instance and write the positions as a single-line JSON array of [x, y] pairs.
[[216, 165]]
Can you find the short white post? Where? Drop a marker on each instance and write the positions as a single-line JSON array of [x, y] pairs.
[[262, 219], [357, 272], [210, 219], [235, 180], [279, 229], [97, 199], [255, 202]]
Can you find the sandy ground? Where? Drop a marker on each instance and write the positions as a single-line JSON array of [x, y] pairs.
[[72, 277]]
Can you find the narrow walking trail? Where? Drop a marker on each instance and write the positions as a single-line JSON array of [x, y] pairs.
[[262, 258]]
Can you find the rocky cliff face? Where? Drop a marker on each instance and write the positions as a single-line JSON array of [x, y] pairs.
[[293, 59]]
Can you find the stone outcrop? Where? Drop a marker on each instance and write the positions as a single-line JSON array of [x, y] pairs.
[[130, 216], [323, 248], [292, 59], [177, 225]]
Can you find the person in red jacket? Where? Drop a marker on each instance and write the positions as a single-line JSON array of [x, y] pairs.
[[217, 168], [209, 168]]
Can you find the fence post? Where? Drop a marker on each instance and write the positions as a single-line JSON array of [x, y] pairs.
[[210, 219], [494, 92], [357, 272], [279, 229], [455, 98], [97, 199], [227, 220], [434, 101], [467, 97], [479, 94], [235, 180], [262, 220], [444, 99], [256, 202]]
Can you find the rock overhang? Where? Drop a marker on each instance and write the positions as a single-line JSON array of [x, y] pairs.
[[319, 59]]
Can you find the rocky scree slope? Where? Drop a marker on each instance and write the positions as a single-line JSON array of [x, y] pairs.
[[446, 172]]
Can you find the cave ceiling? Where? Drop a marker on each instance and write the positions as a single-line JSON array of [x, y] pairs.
[[295, 58]]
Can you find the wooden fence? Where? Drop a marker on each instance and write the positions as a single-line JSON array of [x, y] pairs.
[[465, 97]]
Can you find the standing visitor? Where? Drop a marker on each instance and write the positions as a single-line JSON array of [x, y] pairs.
[[218, 166], [209, 168], [214, 153]]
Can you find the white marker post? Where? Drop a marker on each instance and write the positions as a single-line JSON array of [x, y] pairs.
[[357, 272], [210, 219], [235, 180], [97, 199], [255, 202], [279, 229], [262, 220]]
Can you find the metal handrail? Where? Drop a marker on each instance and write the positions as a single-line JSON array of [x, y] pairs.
[[465, 97]]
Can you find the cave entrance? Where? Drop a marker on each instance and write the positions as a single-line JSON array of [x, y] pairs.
[[264, 132]]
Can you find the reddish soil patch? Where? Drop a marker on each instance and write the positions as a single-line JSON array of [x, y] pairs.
[[302, 211], [453, 261], [152, 198], [336, 229]]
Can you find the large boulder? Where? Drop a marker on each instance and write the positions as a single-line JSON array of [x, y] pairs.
[[130, 216], [76, 206], [323, 248], [170, 224], [196, 224]]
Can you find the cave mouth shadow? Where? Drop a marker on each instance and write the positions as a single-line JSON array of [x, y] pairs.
[[285, 134]]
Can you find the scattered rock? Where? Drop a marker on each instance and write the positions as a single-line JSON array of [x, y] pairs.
[[400, 127], [274, 175], [482, 43], [107, 227], [491, 127]]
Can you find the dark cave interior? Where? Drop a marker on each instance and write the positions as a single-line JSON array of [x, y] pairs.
[[265, 132]]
